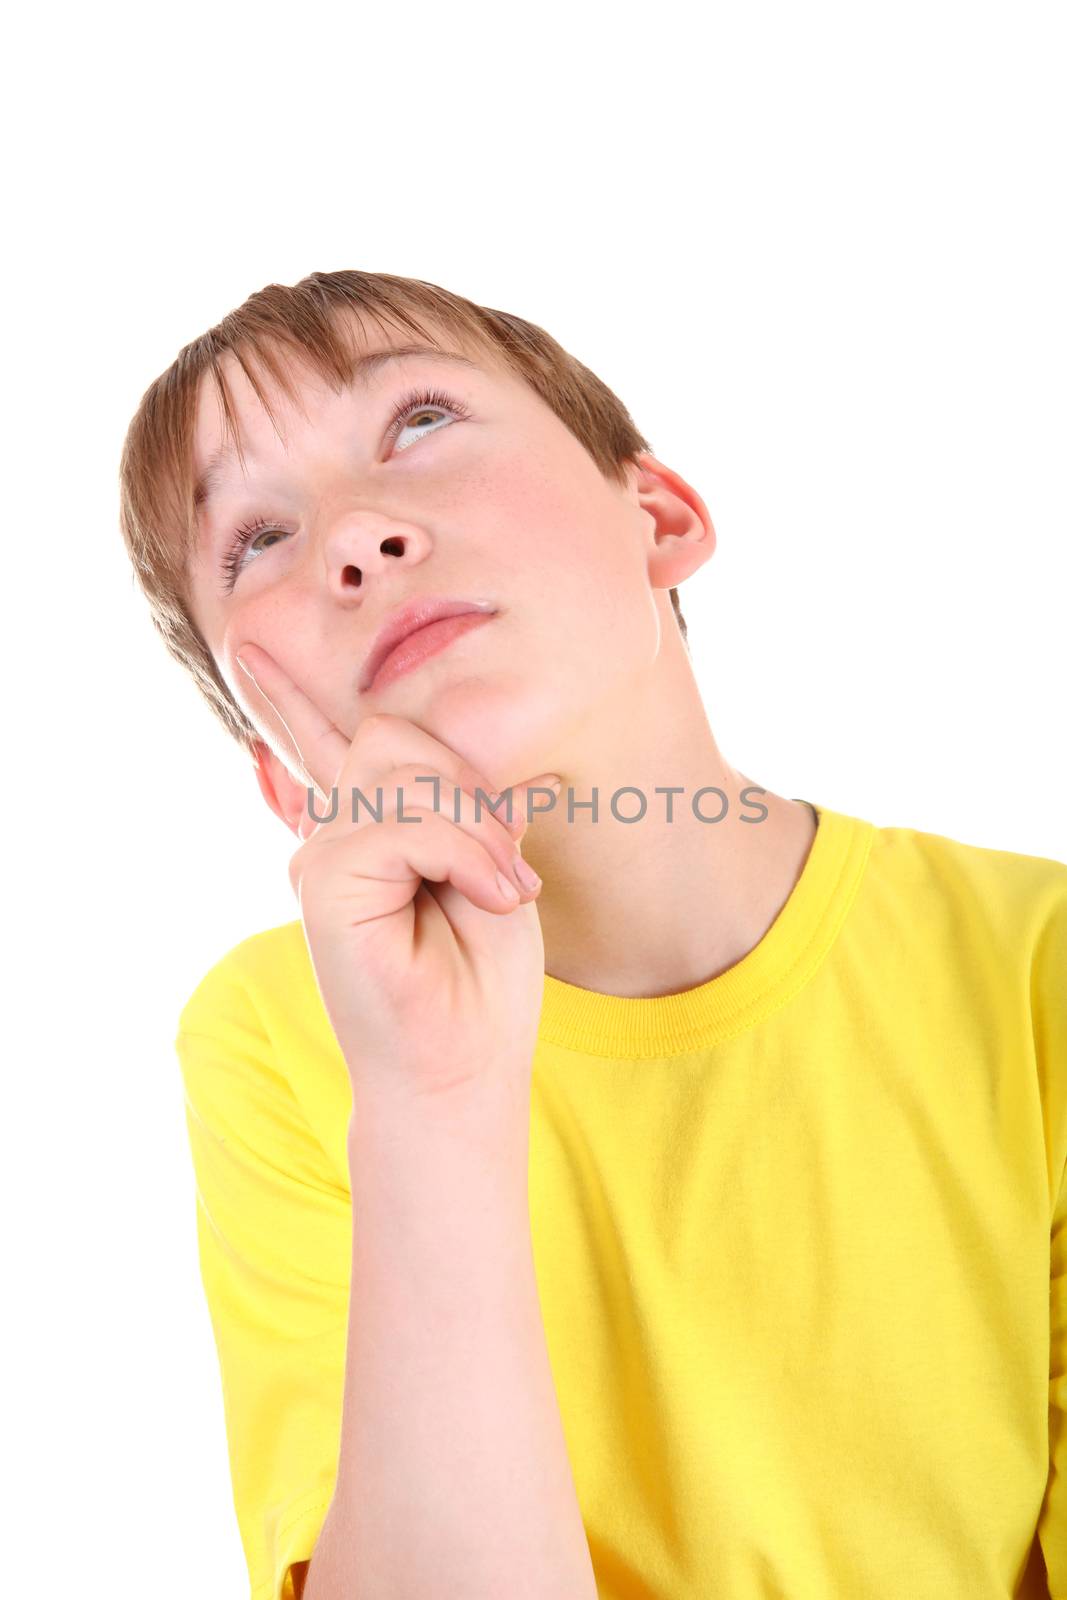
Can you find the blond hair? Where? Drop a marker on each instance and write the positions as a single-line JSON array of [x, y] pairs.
[[309, 320]]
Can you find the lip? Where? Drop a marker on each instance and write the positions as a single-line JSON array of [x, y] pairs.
[[408, 619]]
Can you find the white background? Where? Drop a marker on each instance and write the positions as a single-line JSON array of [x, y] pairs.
[[819, 253]]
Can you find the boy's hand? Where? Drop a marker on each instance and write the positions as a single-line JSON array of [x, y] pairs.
[[432, 978]]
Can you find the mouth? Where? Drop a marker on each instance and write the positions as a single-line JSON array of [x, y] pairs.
[[418, 631]]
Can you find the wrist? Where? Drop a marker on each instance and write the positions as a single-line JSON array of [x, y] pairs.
[[496, 1100]]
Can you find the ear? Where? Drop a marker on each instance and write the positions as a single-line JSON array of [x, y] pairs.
[[683, 534], [286, 798]]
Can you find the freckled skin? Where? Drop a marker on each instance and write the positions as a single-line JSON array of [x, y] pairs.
[[582, 671]]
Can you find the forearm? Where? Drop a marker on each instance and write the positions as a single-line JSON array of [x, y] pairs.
[[453, 1478]]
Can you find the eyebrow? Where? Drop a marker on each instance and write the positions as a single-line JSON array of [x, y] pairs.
[[364, 369]]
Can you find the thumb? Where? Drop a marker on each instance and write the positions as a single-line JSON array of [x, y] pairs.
[[540, 800]]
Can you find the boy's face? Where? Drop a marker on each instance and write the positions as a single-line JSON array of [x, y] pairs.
[[502, 504]]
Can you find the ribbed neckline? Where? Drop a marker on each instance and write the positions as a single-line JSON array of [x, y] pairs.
[[769, 975]]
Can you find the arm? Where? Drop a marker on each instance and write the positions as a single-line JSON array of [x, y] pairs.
[[452, 1473], [453, 1476]]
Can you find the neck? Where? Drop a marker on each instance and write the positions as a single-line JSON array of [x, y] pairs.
[[658, 906]]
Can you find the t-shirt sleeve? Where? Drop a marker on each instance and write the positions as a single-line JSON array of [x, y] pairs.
[[274, 1241], [1052, 1528], [1049, 1006]]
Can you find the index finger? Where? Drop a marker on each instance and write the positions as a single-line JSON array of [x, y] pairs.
[[325, 751], [320, 744]]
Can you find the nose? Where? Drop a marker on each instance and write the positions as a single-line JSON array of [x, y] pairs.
[[360, 544]]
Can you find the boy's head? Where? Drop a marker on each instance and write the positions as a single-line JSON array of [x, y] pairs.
[[277, 487]]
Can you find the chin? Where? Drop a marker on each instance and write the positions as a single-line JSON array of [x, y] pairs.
[[500, 723]]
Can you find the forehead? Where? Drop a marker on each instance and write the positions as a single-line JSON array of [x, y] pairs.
[[373, 356]]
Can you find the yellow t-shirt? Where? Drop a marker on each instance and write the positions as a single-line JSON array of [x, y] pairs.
[[799, 1236]]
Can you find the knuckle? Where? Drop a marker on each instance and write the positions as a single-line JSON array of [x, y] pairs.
[[376, 729], [494, 817], [297, 868], [401, 788], [415, 807], [306, 869], [411, 770], [470, 778]]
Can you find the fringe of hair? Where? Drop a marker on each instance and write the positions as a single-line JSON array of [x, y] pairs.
[[309, 324]]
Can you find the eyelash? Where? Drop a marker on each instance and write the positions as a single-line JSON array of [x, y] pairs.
[[417, 400]]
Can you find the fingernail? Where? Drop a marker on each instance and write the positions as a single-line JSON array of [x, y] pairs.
[[525, 874]]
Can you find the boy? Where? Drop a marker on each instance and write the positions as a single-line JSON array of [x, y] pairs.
[[691, 1234]]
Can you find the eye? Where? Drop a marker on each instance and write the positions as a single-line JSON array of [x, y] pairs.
[[234, 559], [414, 406], [409, 411]]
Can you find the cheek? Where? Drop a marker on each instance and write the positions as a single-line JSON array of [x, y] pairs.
[[271, 619], [274, 623], [564, 520], [577, 545]]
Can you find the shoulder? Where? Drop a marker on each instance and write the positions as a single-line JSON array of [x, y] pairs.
[[242, 980], [255, 1044], [1010, 896]]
